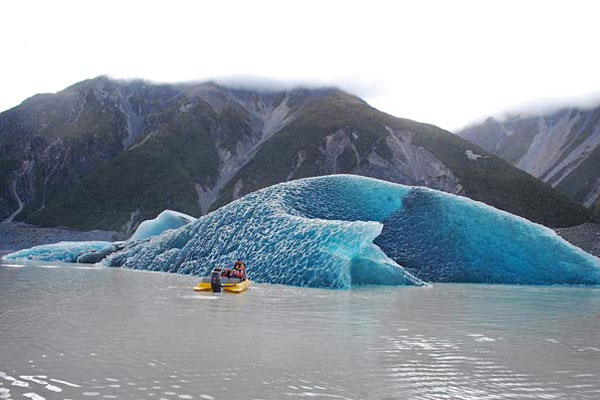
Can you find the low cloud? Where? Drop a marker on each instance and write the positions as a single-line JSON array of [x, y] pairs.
[[539, 107], [359, 87], [547, 106]]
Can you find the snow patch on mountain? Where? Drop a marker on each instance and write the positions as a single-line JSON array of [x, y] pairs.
[[472, 156]]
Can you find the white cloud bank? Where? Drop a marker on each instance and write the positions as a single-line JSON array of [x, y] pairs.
[[442, 62]]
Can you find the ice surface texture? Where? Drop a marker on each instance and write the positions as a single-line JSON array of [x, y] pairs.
[[341, 231], [445, 238], [70, 251], [61, 251], [306, 233], [166, 220], [320, 232]]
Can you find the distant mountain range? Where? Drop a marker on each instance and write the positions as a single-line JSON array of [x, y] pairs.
[[561, 148], [106, 154]]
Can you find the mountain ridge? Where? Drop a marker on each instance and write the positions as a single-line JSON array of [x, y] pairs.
[[106, 153], [561, 148]]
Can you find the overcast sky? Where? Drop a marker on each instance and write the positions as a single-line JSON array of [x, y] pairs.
[[443, 62]]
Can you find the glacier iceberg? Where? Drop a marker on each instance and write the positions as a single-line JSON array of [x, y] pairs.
[[341, 231], [166, 220], [61, 251], [87, 252], [446, 238], [284, 236]]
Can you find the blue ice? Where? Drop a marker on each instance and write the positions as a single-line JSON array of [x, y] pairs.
[[70, 251], [446, 238], [341, 231], [166, 220], [282, 234], [61, 251]]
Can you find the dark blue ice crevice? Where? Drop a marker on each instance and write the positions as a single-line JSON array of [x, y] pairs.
[[444, 238]]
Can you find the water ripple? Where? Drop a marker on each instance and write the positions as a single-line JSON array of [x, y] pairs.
[[109, 333]]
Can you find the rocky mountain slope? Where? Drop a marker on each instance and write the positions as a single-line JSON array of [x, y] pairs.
[[562, 148], [106, 153], [50, 141]]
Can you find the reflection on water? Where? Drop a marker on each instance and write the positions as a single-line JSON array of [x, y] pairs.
[[69, 332]]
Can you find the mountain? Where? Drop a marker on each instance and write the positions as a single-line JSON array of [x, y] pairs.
[[50, 141], [107, 153], [561, 148]]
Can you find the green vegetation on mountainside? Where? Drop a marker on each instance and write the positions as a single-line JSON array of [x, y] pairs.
[[77, 165], [496, 182], [305, 134], [489, 179], [160, 173]]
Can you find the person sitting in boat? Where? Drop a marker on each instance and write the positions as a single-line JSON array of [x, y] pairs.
[[239, 263], [239, 270]]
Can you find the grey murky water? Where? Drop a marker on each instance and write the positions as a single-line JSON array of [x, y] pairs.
[[68, 332]]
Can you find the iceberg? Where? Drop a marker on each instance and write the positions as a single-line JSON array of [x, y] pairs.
[[446, 238], [61, 251], [91, 252], [286, 234], [166, 220], [341, 231]]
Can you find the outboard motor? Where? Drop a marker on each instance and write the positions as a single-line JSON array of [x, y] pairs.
[[215, 281]]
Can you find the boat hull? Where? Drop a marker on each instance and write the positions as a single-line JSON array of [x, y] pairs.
[[238, 287]]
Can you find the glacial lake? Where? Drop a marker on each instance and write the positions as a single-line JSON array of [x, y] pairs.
[[85, 332]]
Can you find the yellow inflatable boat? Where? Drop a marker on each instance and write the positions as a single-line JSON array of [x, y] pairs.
[[232, 287], [217, 283]]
